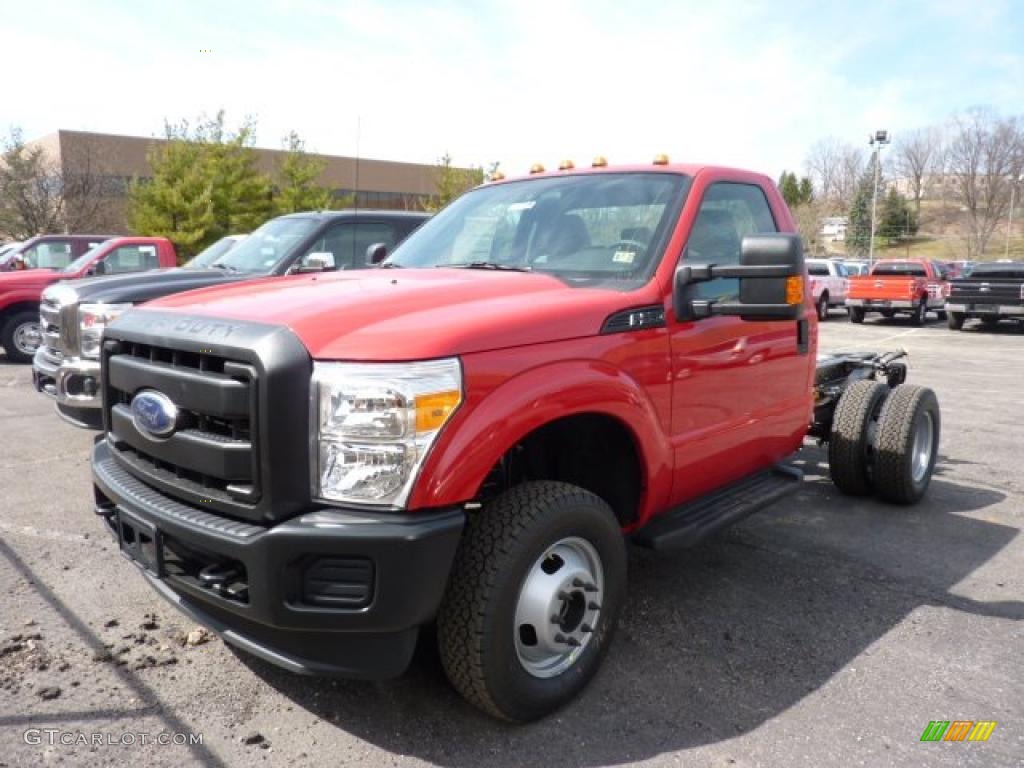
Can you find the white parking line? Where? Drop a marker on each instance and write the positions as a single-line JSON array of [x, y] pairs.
[[898, 335]]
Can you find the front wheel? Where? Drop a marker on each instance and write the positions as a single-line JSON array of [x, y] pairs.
[[955, 320], [21, 336], [532, 600], [920, 313], [857, 315], [822, 307]]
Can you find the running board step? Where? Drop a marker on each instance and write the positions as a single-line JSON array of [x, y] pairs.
[[691, 523]]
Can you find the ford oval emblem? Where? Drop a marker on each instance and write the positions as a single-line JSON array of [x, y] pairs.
[[154, 414]]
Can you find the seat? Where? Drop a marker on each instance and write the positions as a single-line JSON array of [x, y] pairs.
[[568, 235], [714, 239], [640, 235]]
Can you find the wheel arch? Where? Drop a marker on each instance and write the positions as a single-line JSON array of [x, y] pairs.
[[540, 404]]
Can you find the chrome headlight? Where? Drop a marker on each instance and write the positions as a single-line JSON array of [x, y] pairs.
[[373, 424], [92, 319]]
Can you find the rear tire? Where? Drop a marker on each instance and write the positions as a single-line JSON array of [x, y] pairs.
[[506, 607], [941, 314], [888, 314], [857, 315], [822, 307], [907, 444], [850, 451], [920, 313], [955, 320], [21, 336]]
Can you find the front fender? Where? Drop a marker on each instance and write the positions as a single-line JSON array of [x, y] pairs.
[[18, 296], [487, 425]]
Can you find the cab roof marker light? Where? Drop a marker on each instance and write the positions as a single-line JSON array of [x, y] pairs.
[[599, 162], [660, 159], [566, 165], [537, 168]]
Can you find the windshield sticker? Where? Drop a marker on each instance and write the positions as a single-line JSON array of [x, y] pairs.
[[624, 257], [524, 206]]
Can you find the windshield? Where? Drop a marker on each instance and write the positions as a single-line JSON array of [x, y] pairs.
[[601, 229], [901, 268], [1007, 270], [268, 245], [211, 253], [82, 260]]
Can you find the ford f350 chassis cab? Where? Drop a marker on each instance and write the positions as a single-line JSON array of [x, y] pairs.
[[320, 467]]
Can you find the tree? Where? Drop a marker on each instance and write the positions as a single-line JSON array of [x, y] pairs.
[[40, 193], [858, 228], [205, 185], [916, 155], [896, 219], [985, 155], [835, 167], [296, 187], [452, 182], [806, 190], [789, 187]]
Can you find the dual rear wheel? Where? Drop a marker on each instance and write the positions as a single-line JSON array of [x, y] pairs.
[[885, 440]]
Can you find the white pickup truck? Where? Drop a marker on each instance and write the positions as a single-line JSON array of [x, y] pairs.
[[829, 284]]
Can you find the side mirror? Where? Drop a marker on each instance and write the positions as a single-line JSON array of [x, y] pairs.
[[771, 275], [376, 253], [317, 261]]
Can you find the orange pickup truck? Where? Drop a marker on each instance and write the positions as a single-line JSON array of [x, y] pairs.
[[910, 286]]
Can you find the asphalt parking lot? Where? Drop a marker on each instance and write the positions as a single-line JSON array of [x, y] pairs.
[[823, 631]]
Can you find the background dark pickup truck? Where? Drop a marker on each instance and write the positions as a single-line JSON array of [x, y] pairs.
[[68, 370], [989, 292]]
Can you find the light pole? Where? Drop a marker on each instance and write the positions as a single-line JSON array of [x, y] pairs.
[[878, 140], [1009, 217]]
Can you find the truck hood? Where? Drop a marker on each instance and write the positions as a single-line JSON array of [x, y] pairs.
[[138, 287], [28, 278], [412, 314]]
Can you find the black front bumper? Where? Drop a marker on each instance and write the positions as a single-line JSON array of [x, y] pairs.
[[331, 591]]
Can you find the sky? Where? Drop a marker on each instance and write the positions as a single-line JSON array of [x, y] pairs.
[[748, 83]]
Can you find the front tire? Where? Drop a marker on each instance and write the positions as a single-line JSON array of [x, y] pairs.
[[21, 336], [907, 444], [921, 313], [532, 600], [822, 307], [857, 315], [955, 320]]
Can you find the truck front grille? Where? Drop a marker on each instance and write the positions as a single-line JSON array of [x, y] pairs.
[[50, 321], [210, 459], [239, 443]]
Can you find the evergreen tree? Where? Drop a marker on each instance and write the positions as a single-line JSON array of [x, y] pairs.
[[297, 175], [790, 189], [896, 218], [205, 185], [858, 229], [806, 190]]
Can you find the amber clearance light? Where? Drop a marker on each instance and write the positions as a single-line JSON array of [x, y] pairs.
[[795, 290]]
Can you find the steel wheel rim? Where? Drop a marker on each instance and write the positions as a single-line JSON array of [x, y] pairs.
[[27, 338], [924, 436], [558, 607]]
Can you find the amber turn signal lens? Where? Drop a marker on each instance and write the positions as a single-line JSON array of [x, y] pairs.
[[536, 168], [432, 411], [795, 290]]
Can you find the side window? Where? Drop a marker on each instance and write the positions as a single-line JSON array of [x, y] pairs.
[[729, 212], [817, 270], [347, 243], [131, 258], [49, 255], [841, 269]]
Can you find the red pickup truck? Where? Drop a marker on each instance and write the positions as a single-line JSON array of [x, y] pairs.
[[899, 286], [22, 290], [318, 467]]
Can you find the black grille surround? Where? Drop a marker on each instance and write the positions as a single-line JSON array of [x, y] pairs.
[[242, 389]]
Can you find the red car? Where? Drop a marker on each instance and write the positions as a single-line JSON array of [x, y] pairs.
[[22, 290]]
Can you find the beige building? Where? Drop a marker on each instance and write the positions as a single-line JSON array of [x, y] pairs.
[[113, 161]]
